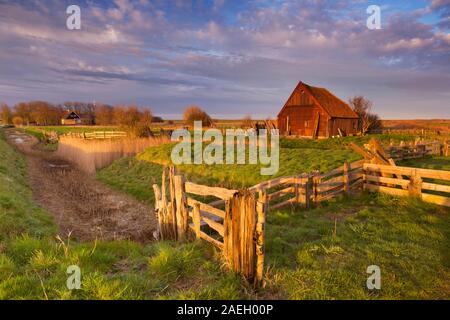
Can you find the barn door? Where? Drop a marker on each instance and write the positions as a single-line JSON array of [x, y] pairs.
[[315, 132]]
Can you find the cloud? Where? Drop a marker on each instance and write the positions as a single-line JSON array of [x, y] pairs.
[[223, 54]]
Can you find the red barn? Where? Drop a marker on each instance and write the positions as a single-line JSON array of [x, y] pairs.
[[316, 112]]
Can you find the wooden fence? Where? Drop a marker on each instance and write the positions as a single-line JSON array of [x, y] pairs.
[[306, 189], [406, 181], [237, 230], [418, 150], [235, 222], [97, 135]]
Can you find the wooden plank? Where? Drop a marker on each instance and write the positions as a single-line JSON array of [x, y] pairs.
[[316, 126], [280, 193], [391, 191], [201, 190], [181, 207], [338, 179], [215, 242], [394, 181], [330, 195], [214, 225], [435, 187], [283, 204], [217, 203], [327, 187], [440, 200], [260, 238], [345, 177], [272, 183], [309, 192], [357, 164], [425, 173], [206, 207], [333, 173], [415, 185], [196, 219]]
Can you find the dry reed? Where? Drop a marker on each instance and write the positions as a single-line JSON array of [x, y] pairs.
[[91, 155]]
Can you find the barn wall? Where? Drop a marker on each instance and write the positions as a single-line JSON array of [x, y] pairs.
[[302, 111], [302, 119], [348, 126]]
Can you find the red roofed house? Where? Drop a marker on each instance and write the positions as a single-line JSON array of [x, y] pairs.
[[316, 112]]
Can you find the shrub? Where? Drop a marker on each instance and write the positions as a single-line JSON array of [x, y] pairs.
[[194, 113]]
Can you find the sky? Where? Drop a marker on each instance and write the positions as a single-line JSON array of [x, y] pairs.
[[230, 57]]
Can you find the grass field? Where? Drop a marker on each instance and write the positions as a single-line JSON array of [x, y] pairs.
[[60, 130], [322, 253]]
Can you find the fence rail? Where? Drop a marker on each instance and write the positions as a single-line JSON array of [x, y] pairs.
[[97, 135], [409, 182], [418, 150], [311, 188]]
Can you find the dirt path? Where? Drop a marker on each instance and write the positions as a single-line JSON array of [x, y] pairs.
[[81, 205]]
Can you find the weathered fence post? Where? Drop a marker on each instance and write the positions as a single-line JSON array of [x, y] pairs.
[[415, 185], [297, 184], [261, 209], [158, 210], [181, 210], [317, 179], [196, 219], [346, 178], [308, 191], [239, 232], [166, 218]]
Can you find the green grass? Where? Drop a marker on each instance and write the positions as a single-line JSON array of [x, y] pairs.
[[306, 256], [133, 176], [33, 263], [407, 239], [60, 130], [435, 163], [292, 161]]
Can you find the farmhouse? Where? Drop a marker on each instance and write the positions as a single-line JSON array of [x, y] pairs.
[[316, 112], [72, 118]]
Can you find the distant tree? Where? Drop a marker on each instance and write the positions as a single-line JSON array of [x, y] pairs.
[[194, 113], [23, 111], [6, 114], [119, 115], [17, 121], [146, 118], [132, 117], [44, 113], [103, 115], [366, 119]]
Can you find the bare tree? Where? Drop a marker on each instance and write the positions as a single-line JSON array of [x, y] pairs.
[[366, 119], [23, 111], [6, 114], [103, 114]]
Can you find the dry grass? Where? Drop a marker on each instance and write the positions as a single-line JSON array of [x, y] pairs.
[[90, 155]]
